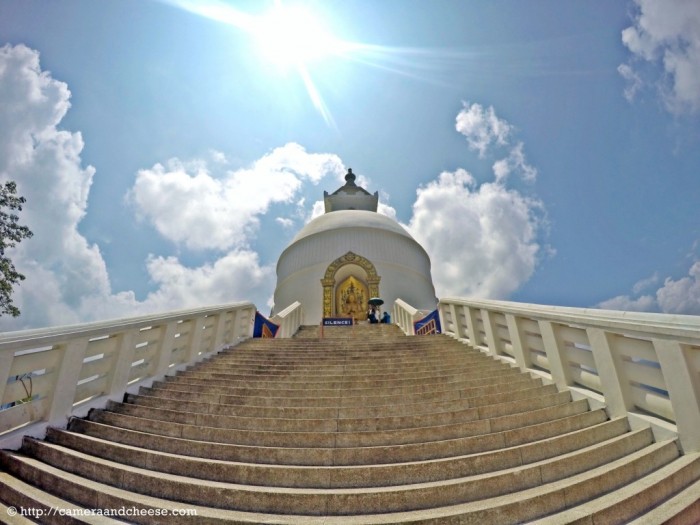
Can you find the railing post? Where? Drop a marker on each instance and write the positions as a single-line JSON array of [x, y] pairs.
[[195, 338], [219, 333], [611, 372], [124, 358], [684, 390], [6, 358], [165, 349], [516, 339], [66, 384], [471, 325], [492, 340], [236, 316], [457, 327], [553, 348]]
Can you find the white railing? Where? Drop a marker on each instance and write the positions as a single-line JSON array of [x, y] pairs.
[[50, 374], [645, 366], [289, 320], [405, 315]]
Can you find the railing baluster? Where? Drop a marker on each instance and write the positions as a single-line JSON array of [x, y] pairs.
[[516, 340], [558, 366], [67, 377], [610, 368], [124, 357], [492, 340], [684, 390]]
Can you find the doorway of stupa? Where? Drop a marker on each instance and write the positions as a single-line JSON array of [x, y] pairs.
[[349, 282]]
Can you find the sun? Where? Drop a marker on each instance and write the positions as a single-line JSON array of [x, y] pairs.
[[292, 36]]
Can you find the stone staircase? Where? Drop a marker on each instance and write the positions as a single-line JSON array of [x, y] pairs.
[[363, 426]]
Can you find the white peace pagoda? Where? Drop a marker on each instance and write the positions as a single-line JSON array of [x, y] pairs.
[[351, 253]]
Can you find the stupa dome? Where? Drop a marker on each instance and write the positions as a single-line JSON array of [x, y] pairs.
[[338, 261]]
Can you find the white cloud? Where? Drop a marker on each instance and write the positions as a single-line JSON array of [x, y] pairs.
[[284, 222], [238, 274], [667, 32], [482, 240], [645, 303], [644, 284], [514, 162], [482, 127], [192, 206], [318, 209], [680, 296], [485, 132], [634, 81], [58, 262]]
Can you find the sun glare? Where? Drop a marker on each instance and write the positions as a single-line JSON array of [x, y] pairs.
[[292, 36]]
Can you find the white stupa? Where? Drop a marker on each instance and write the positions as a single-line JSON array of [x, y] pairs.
[[351, 253]]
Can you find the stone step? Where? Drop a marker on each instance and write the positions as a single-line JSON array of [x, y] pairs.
[[379, 414], [391, 400], [489, 370], [683, 507], [373, 368], [671, 492], [523, 506], [465, 388], [43, 506], [524, 487], [587, 448], [485, 411], [287, 383], [306, 438], [280, 420], [227, 445]]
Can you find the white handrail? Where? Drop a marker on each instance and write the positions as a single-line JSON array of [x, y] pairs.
[[51, 374], [289, 320], [404, 316], [642, 365]]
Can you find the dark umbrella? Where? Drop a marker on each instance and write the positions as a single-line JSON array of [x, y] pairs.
[[376, 301]]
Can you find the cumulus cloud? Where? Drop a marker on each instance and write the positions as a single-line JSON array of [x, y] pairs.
[[486, 132], [681, 296], [644, 303], [191, 205], [45, 162], [482, 127], [482, 239], [666, 33]]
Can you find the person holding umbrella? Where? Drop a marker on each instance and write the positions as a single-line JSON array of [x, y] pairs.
[[373, 314]]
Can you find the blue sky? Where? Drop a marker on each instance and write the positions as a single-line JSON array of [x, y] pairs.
[[541, 151]]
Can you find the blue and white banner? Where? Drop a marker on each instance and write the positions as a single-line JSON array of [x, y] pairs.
[[263, 327], [429, 325]]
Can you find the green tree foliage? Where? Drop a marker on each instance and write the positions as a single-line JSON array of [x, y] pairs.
[[10, 234]]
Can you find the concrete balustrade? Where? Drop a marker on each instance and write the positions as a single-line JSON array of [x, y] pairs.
[[289, 320], [642, 365], [49, 375], [405, 315]]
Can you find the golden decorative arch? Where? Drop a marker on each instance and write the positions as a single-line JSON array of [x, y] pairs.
[[328, 281]]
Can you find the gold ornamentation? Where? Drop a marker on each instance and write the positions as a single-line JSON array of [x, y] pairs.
[[328, 280]]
